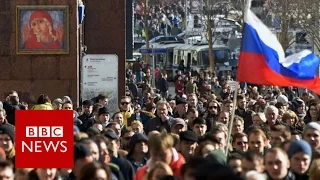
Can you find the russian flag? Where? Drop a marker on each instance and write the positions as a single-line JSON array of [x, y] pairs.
[[262, 59]]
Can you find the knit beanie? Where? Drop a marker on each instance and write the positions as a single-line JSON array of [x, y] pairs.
[[312, 125], [9, 130], [217, 157], [299, 146]]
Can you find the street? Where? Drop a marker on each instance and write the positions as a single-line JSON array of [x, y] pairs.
[[171, 89]]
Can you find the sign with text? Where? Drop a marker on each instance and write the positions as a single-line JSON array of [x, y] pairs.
[[44, 139], [100, 76]]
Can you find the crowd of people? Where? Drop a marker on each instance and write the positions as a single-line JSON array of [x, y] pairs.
[[275, 132], [163, 19]]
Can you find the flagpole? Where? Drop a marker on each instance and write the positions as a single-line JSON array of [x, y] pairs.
[[235, 94], [247, 4]]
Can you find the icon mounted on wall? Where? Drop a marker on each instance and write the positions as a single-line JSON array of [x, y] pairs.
[[42, 30]]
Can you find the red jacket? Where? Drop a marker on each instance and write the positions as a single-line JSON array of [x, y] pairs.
[[178, 161], [179, 87]]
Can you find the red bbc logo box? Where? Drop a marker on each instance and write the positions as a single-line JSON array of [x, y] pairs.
[[44, 139]]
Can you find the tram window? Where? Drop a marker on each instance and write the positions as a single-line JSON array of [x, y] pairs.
[[196, 22], [221, 56], [205, 58], [194, 61], [178, 59], [161, 57], [169, 59]]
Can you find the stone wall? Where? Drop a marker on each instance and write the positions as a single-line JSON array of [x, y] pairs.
[[105, 32], [58, 75], [32, 75]]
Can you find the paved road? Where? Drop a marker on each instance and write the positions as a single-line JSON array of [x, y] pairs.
[[171, 89]]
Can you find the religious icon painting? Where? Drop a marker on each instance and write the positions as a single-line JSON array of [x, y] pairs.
[[42, 29]]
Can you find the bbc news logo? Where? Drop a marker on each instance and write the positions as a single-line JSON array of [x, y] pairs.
[[43, 146], [44, 131], [44, 139]]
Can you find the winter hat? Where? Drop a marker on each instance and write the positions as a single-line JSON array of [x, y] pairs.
[[296, 103], [217, 157], [103, 110], [81, 151], [111, 135], [66, 98], [138, 137], [312, 125], [9, 130], [215, 171], [299, 146], [188, 136], [180, 101], [57, 101], [178, 121], [87, 103], [283, 99]]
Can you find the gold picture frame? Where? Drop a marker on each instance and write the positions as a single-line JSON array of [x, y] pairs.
[[42, 29]]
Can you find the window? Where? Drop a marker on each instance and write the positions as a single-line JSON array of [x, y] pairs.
[[175, 59], [221, 56], [205, 58], [194, 61], [301, 37], [159, 58], [169, 58], [196, 22]]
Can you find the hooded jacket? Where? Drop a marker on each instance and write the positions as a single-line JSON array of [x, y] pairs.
[[45, 106]]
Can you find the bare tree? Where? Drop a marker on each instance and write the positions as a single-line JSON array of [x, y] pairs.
[[281, 10], [209, 25], [210, 21], [146, 25], [306, 15], [295, 15]]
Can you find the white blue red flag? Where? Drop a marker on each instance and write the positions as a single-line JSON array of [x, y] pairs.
[[262, 59]]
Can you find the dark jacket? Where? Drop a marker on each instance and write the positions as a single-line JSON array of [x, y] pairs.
[[302, 177], [210, 120], [145, 116], [135, 165], [290, 176], [125, 167], [156, 123], [71, 177], [84, 117], [200, 108], [86, 125], [163, 85], [134, 89], [11, 109], [176, 115], [115, 172], [247, 117], [77, 122]]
